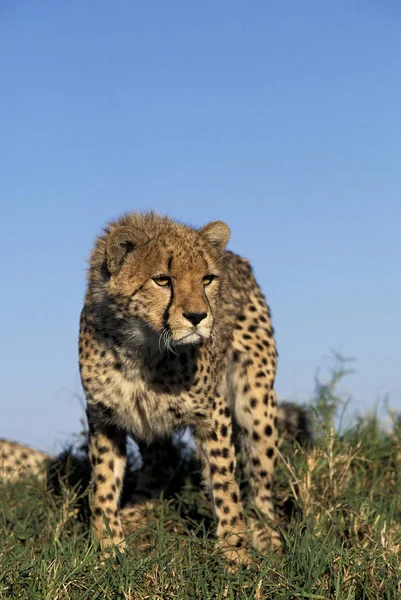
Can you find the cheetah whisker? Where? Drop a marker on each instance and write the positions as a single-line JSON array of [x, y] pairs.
[[167, 342], [161, 334]]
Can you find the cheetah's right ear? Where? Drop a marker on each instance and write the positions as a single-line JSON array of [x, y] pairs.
[[120, 243]]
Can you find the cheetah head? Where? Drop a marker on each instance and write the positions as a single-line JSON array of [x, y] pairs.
[[164, 278]]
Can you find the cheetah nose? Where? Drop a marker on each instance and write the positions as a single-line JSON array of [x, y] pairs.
[[195, 317]]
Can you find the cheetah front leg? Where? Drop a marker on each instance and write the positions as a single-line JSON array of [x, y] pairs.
[[217, 454], [107, 452], [255, 412], [252, 374]]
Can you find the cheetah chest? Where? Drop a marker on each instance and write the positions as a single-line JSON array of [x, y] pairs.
[[152, 409]]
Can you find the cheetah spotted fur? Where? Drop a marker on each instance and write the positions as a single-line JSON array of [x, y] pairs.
[[17, 460]]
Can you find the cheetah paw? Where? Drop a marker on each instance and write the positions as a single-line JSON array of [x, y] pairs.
[[235, 552], [263, 537]]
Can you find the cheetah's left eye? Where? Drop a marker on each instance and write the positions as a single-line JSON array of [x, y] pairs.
[[162, 280], [207, 280]]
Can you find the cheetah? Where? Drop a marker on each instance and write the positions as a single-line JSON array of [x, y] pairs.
[[17, 460], [175, 333]]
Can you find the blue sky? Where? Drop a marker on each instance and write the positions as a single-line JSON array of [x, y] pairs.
[[281, 118]]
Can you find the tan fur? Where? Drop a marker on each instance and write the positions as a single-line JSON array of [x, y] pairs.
[[196, 352], [17, 460]]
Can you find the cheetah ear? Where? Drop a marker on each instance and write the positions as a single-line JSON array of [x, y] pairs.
[[120, 243], [216, 234]]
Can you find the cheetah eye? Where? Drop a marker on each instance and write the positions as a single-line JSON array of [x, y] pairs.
[[162, 280], [207, 280]]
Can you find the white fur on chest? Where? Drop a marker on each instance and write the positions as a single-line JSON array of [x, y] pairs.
[[144, 413]]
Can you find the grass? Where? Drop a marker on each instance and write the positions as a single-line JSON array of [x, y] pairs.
[[339, 503]]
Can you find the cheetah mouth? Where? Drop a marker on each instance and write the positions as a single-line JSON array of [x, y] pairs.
[[190, 338]]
